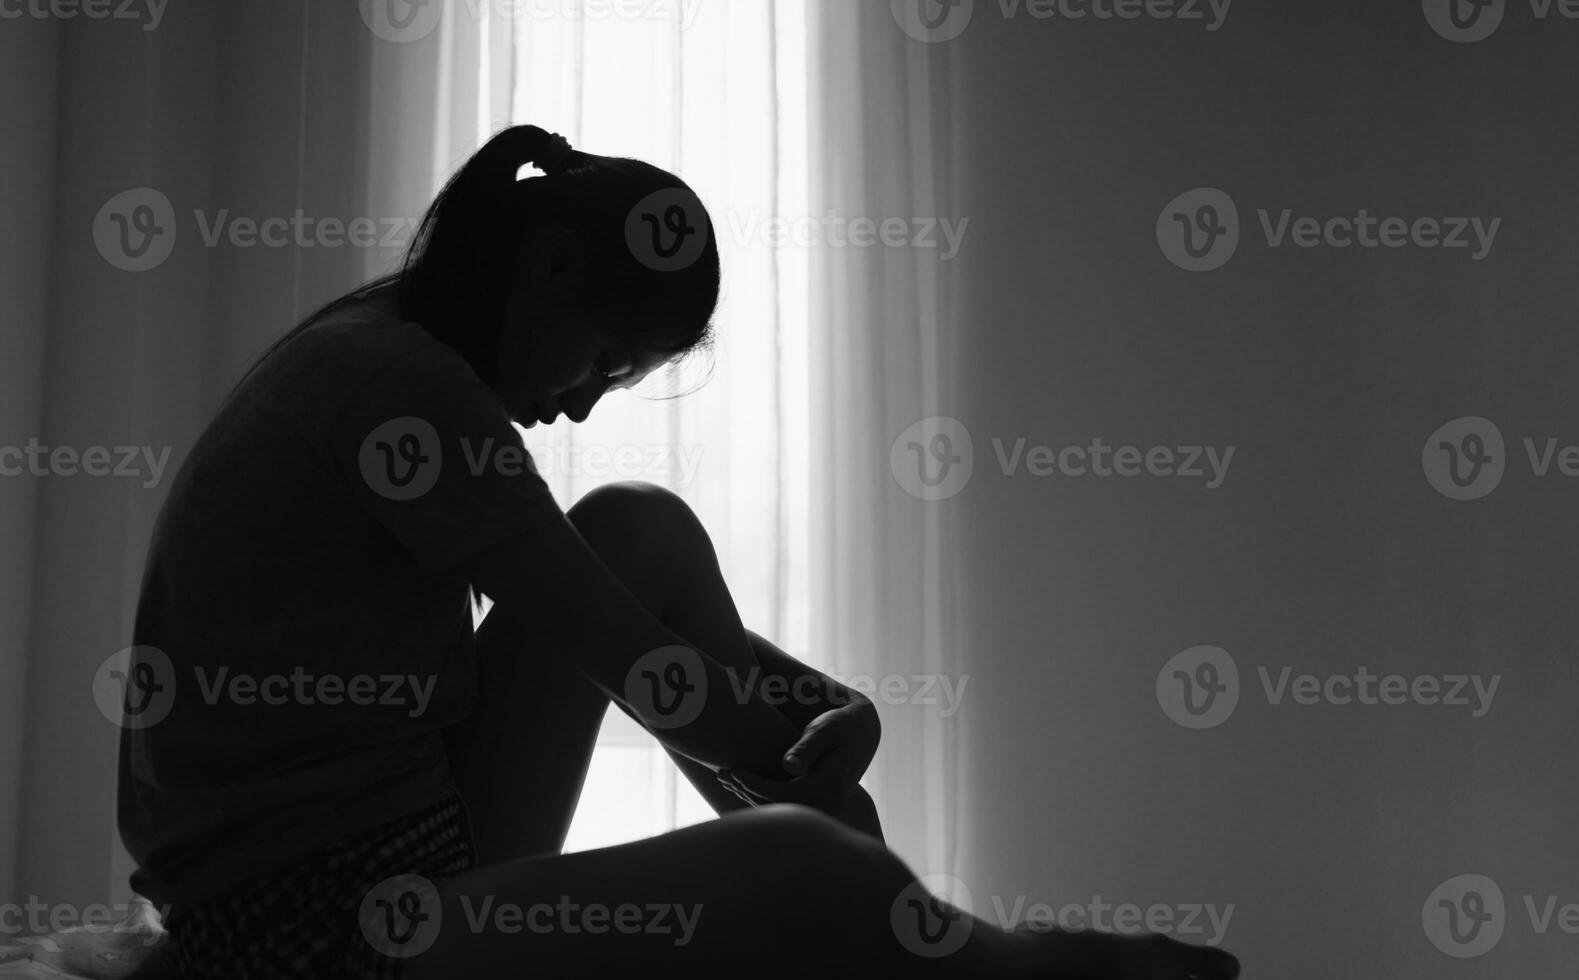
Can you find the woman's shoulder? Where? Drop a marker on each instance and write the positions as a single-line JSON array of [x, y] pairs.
[[334, 355], [359, 337]]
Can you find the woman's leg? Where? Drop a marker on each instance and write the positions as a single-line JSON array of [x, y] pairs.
[[522, 759], [778, 891], [768, 892], [651, 539]]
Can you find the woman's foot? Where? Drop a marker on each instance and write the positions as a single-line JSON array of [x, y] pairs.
[[1058, 954]]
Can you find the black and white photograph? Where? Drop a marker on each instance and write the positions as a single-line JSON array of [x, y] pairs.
[[1069, 489]]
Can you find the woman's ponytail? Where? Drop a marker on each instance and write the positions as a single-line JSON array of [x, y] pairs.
[[462, 262]]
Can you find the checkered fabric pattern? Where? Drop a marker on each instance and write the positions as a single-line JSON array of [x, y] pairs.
[[303, 923]]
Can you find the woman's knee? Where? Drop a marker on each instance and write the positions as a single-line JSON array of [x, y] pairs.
[[631, 511], [791, 838]]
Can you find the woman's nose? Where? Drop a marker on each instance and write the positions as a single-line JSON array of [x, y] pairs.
[[579, 404]]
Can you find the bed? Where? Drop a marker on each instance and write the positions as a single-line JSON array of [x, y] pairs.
[[98, 952]]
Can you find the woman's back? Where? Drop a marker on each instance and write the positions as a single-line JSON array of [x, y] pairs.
[[316, 645]]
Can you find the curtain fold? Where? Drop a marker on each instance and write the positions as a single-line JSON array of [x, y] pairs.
[[881, 561]]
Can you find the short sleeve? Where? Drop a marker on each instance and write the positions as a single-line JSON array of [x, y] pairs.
[[429, 451]]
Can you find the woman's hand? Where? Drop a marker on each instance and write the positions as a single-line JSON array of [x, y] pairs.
[[823, 766]]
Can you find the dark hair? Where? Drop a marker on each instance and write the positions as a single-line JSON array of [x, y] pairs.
[[462, 264]]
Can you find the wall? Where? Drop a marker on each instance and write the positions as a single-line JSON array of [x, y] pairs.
[[1325, 549], [28, 58]]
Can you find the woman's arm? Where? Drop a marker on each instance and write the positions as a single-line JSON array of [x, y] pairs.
[[582, 611], [810, 692]]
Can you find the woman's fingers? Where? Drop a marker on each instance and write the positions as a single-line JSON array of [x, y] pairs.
[[813, 790], [821, 736]]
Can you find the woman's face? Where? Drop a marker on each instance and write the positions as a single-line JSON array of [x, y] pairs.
[[553, 362]]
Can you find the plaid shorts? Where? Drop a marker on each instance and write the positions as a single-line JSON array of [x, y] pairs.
[[318, 920]]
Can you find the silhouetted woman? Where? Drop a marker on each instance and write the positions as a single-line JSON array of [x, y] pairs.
[[329, 770]]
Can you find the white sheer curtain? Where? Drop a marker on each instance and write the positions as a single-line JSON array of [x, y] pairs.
[[882, 606]]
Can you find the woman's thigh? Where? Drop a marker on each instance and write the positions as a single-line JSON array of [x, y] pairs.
[[522, 757], [774, 891]]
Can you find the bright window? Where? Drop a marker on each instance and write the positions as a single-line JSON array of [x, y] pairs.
[[714, 90]]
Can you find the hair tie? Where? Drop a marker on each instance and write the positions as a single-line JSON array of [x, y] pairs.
[[551, 159]]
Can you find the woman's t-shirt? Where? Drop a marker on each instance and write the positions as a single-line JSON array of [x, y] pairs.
[[303, 636]]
